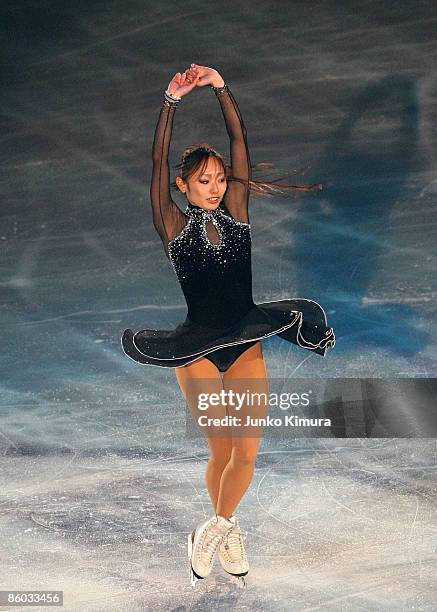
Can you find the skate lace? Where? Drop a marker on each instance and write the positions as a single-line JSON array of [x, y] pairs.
[[210, 542], [233, 544]]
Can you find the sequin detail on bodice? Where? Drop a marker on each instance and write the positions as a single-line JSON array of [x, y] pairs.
[[216, 279]]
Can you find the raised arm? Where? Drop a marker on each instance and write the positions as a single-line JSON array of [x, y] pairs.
[[237, 194], [236, 198], [167, 218]]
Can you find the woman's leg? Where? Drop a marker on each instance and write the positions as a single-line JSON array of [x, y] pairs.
[[250, 368], [210, 381]]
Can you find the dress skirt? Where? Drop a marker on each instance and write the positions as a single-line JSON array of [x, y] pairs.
[[300, 321]]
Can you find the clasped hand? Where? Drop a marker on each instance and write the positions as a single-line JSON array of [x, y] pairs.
[[194, 76]]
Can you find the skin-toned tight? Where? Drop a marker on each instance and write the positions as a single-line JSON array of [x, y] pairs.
[[232, 451]]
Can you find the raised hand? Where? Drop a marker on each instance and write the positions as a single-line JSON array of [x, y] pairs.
[[181, 84], [205, 76]]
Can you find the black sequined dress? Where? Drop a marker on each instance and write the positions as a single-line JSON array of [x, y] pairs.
[[210, 251]]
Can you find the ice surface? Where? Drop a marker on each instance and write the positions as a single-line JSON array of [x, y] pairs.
[[99, 484]]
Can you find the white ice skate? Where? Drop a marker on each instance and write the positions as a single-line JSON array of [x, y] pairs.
[[203, 543], [232, 554]]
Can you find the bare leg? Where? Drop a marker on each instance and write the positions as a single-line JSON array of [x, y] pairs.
[[238, 473], [210, 381]]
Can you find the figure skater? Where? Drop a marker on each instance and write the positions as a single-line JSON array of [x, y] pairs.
[[209, 247]]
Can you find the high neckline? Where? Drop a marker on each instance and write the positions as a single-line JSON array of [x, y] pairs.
[[201, 213]]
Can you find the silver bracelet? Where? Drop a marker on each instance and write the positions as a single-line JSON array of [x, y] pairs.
[[219, 90], [170, 98]]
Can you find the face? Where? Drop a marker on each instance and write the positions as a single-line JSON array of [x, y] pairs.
[[206, 189]]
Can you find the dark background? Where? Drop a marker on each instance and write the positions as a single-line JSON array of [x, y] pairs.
[[99, 485]]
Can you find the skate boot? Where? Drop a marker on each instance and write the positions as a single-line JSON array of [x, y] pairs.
[[232, 554], [203, 543]]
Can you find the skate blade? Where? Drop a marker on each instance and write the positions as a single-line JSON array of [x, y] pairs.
[[239, 581], [193, 578]]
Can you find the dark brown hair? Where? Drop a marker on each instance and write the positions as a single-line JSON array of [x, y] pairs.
[[194, 155]]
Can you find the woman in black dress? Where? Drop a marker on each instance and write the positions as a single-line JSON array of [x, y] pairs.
[[218, 344]]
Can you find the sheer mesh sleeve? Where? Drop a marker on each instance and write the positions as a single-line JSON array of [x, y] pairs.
[[236, 199], [167, 218]]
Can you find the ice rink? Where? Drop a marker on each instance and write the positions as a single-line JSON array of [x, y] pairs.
[[99, 484]]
